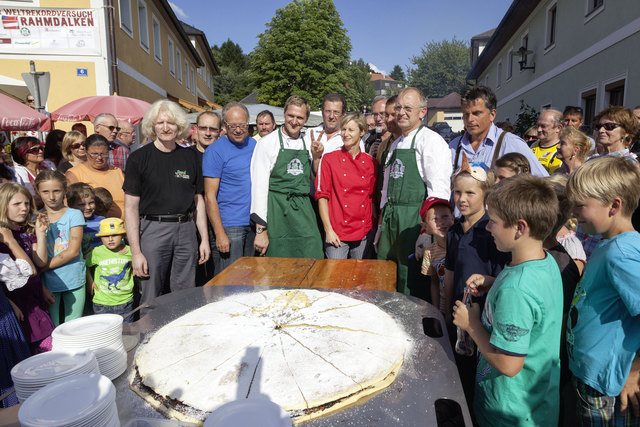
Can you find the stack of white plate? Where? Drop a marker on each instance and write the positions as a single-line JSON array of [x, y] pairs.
[[101, 333], [37, 371], [87, 400]]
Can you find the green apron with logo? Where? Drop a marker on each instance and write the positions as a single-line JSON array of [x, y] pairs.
[[401, 214], [292, 227]]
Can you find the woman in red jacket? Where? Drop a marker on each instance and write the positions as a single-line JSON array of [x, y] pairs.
[[345, 187]]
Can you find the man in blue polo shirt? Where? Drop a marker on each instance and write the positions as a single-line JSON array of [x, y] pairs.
[[227, 186], [482, 137]]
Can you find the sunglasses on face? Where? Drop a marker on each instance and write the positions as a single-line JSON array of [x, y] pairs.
[[112, 128], [34, 150], [530, 137], [75, 146], [607, 126]]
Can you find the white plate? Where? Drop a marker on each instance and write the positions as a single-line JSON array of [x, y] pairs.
[[51, 365], [96, 325], [249, 412], [67, 401]]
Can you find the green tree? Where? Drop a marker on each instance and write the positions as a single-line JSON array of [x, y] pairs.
[[304, 50], [398, 74], [230, 54], [234, 81], [527, 117], [441, 68], [361, 89]]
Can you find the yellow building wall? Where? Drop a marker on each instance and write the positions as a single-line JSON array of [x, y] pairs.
[[434, 116], [65, 85], [130, 51], [66, 4], [202, 78]]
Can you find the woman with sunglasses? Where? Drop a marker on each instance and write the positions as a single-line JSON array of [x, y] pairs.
[[97, 172], [28, 157], [72, 150], [531, 135], [614, 129]]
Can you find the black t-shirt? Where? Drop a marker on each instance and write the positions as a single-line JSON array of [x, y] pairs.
[[165, 182], [200, 155]]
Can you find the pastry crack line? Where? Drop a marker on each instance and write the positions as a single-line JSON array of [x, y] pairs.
[[325, 360], [284, 355]]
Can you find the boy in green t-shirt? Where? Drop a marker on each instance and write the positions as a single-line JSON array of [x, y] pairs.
[[518, 336], [112, 282]]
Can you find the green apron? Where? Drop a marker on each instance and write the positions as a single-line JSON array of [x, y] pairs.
[[292, 226], [401, 214]]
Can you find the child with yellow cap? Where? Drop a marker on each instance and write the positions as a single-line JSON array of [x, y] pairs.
[[112, 281]]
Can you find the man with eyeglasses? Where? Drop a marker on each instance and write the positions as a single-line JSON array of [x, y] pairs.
[[417, 166], [227, 188], [373, 138], [572, 116], [483, 141], [282, 166], [121, 147], [106, 124], [549, 127]]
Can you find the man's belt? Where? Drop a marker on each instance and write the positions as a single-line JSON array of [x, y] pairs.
[[180, 218]]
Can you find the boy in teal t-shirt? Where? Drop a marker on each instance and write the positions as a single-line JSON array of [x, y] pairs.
[[518, 336], [112, 282]]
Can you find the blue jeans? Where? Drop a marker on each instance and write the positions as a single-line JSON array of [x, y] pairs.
[[240, 244], [120, 309]]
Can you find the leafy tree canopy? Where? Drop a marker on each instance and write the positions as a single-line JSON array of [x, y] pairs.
[[398, 74], [234, 81], [304, 50], [362, 92], [441, 68]]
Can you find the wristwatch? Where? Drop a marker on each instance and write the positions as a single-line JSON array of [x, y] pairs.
[[260, 229]]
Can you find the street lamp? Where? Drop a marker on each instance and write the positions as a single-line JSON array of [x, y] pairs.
[[523, 52]]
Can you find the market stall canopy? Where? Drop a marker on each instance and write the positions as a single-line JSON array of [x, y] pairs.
[[14, 115], [278, 114], [83, 109]]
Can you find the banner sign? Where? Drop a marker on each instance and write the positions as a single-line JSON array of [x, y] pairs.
[[45, 31]]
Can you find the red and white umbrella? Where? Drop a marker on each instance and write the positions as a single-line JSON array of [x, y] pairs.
[[15, 116], [124, 108]]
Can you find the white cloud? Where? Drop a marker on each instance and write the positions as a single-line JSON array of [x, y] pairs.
[[178, 11], [376, 69]]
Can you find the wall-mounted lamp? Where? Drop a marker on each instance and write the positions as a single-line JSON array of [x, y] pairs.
[[523, 52]]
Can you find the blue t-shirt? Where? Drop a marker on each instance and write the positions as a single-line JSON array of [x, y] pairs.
[[71, 275], [231, 163], [603, 328], [523, 315]]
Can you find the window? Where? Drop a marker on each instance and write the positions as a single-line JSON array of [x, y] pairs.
[[157, 44], [125, 16], [593, 6], [179, 64], [143, 25], [552, 12], [193, 83], [615, 93], [509, 64], [499, 74], [172, 59], [589, 109], [186, 75], [199, 72]]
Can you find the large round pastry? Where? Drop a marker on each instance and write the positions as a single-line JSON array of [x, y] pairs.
[[309, 351]]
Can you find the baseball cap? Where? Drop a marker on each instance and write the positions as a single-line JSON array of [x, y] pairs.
[[431, 201]]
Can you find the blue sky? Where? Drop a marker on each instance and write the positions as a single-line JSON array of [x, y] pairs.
[[384, 33]]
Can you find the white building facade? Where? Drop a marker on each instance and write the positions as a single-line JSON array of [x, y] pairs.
[[584, 53]]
